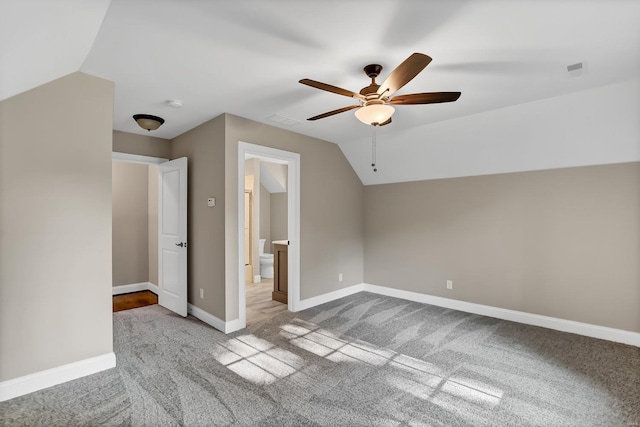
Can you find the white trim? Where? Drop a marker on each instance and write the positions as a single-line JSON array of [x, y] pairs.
[[54, 376], [233, 325], [136, 158], [133, 287], [330, 296], [293, 209], [211, 320], [586, 329]]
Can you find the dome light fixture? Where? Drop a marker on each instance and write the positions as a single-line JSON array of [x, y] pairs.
[[374, 113], [148, 122]]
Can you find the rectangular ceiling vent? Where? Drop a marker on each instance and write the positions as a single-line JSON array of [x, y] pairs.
[[574, 67], [277, 118], [577, 69]]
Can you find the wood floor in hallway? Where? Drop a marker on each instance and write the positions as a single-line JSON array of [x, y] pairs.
[[260, 306], [134, 300]]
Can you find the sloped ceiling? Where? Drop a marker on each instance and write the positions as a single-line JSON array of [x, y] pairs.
[[42, 40], [246, 57]]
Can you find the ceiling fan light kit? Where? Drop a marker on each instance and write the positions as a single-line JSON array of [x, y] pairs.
[[375, 114], [148, 122]]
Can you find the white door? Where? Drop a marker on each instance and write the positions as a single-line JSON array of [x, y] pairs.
[[172, 239]]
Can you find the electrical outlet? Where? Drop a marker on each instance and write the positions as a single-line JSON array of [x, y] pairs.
[[339, 277], [201, 293], [449, 284]]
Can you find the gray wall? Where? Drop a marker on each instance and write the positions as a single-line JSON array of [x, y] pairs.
[[332, 240], [279, 219], [55, 225], [563, 243], [205, 150], [143, 145], [331, 210], [130, 223]]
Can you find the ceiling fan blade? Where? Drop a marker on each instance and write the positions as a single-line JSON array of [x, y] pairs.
[[331, 113], [404, 73], [424, 98], [331, 88]]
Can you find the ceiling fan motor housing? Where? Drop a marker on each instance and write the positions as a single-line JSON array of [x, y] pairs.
[[373, 70]]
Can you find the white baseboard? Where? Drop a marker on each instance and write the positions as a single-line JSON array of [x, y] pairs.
[[211, 320], [153, 288], [54, 376], [586, 329], [328, 297], [134, 287]]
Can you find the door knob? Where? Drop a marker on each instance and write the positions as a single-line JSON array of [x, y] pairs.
[[182, 244]]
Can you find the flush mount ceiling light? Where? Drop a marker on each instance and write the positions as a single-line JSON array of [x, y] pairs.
[[148, 122]]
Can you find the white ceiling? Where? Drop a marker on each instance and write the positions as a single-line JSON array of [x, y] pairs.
[[246, 57]]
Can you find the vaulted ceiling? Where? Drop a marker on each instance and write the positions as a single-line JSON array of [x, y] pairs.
[[246, 57]]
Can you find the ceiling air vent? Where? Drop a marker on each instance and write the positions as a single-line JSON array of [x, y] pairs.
[[577, 69], [574, 67]]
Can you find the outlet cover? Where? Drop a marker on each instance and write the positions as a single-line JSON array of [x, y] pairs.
[[449, 284], [339, 277]]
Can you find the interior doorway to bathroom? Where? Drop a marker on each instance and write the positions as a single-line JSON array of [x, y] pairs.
[[269, 219], [265, 224]]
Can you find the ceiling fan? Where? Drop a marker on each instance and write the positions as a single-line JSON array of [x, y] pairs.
[[376, 101]]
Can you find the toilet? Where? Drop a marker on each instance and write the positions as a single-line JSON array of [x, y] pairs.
[[266, 262]]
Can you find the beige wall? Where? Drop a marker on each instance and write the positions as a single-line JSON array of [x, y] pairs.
[[204, 148], [153, 223], [55, 225], [143, 145], [563, 243], [265, 217], [130, 223], [330, 210], [279, 219]]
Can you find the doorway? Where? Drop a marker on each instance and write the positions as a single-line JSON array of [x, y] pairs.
[[134, 234], [149, 230], [258, 154], [266, 223]]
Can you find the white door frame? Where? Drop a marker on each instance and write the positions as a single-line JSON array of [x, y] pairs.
[[293, 209], [136, 158], [147, 160]]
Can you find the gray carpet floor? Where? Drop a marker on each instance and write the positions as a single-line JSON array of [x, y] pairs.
[[363, 360]]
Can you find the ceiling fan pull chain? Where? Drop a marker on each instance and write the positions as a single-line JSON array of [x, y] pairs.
[[374, 149]]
